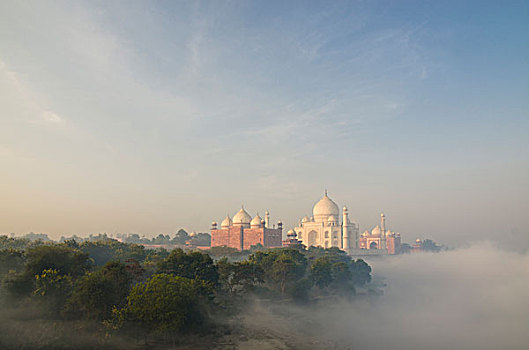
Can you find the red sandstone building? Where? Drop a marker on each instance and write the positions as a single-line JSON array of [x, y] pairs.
[[380, 239], [242, 232]]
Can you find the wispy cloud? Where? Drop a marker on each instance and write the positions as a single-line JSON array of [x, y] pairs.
[[51, 117], [32, 100]]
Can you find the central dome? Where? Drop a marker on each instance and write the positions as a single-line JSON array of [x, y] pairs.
[[325, 208], [242, 218]]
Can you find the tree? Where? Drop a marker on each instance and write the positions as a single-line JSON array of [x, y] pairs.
[[430, 246], [161, 239], [63, 259], [96, 293], [153, 260], [135, 270], [221, 251], [334, 277], [360, 272], [16, 243], [201, 240], [53, 288], [239, 277], [108, 250], [321, 272], [180, 237], [165, 304], [287, 268], [11, 260], [194, 265], [342, 279]]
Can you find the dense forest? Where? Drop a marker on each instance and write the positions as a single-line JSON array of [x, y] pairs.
[[109, 294]]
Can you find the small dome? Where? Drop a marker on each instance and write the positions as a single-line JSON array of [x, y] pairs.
[[291, 233], [242, 217], [418, 240], [226, 222], [375, 231], [324, 208], [332, 218], [366, 233], [256, 221], [305, 219]]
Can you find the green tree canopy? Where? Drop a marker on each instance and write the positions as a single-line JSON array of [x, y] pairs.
[[360, 272], [96, 293], [53, 288], [239, 277], [165, 304], [107, 250], [283, 267], [63, 259], [193, 265]]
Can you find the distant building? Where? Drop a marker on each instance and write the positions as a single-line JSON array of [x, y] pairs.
[[380, 238], [242, 232], [417, 246], [291, 240], [325, 229]]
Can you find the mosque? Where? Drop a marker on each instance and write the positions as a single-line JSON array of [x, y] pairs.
[[325, 229], [242, 232]]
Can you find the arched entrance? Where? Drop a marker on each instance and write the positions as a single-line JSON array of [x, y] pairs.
[[312, 237], [373, 245]]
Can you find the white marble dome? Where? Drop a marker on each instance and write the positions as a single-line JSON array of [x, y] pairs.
[[256, 221], [242, 218], [376, 231], [325, 208]]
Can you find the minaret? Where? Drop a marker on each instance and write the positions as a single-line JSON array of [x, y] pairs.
[[345, 231], [267, 218], [382, 231]]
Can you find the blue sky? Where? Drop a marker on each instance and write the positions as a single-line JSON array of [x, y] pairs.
[[150, 116]]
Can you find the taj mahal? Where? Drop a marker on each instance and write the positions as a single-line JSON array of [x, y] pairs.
[[326, 228]]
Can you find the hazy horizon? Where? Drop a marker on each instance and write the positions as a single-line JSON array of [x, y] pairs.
[[150, 117]]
